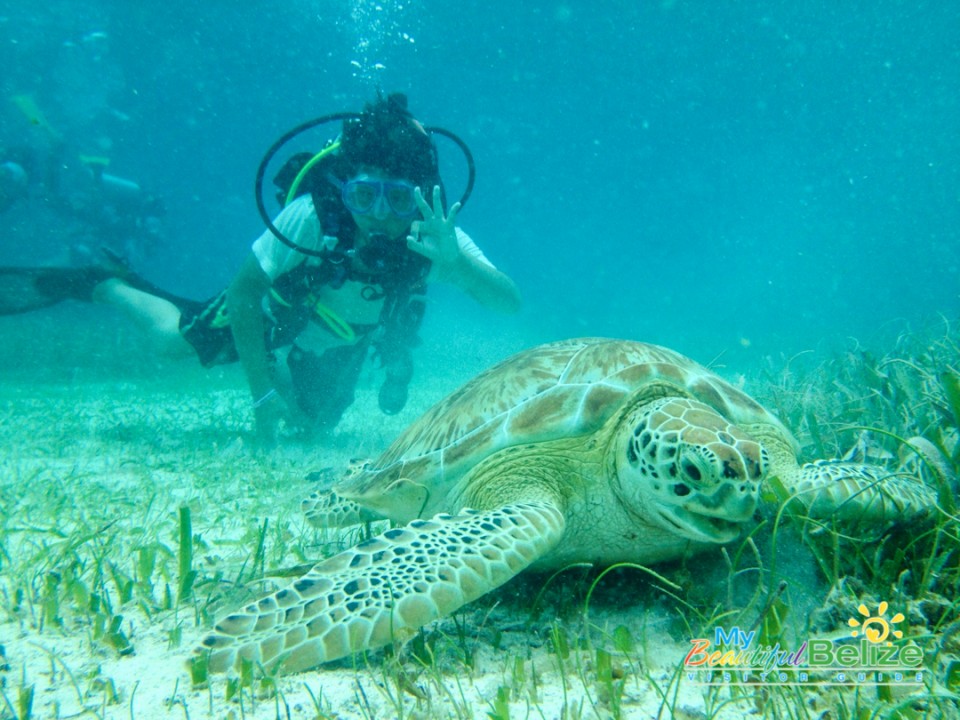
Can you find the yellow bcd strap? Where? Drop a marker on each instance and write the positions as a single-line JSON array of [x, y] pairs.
[[338, 326]]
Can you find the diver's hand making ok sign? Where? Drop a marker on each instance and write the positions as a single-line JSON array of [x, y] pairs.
[[435, 237]]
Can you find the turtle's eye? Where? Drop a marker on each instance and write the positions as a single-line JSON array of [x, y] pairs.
[[692, 471]]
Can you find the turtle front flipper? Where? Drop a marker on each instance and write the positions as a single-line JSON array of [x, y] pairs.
[[853, 491], [384, 589]]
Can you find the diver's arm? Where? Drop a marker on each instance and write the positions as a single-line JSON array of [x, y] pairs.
[[485, 284], [436, 238], [244, 308]]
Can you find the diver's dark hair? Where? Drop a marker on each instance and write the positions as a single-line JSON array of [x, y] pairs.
[[387, 137]]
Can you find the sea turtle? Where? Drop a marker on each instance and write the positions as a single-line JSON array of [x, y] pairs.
[[591, 450]]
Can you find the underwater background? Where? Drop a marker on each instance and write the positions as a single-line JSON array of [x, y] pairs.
[[734, 180], [771, 188]]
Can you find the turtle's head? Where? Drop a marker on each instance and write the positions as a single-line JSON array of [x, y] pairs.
[[685, 467]]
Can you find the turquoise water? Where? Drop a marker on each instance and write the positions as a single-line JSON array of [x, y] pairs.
[[745, 179]]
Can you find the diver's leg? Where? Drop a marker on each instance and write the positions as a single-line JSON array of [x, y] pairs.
[[157, 317], [393, 392], [324, 384]]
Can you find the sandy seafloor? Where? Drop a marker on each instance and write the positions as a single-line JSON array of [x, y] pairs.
[[94, 472]]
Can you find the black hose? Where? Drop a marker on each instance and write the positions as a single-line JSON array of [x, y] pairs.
[[334, 117]]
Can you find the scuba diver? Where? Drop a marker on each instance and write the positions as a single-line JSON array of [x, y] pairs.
[[13, 184], [115, 211], [342, 269], [83, 201], [75, 197]]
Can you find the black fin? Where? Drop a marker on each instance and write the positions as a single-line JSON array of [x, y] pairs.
[[23, 289]]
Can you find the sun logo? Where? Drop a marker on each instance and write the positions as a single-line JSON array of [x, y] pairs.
[[876, 628]]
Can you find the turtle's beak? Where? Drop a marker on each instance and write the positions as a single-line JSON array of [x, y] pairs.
[[711, 517], [700, 527]]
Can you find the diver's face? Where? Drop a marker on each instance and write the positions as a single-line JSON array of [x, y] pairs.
[[380, 204]]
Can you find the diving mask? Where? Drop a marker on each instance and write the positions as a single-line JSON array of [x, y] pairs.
[[364, 195]]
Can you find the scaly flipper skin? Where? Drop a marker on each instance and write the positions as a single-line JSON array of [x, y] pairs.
[[326, 509], [857, 492], [847, 491], [386, 588]]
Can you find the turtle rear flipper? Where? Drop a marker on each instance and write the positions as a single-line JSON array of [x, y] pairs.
[[386, 588], [326, 509]]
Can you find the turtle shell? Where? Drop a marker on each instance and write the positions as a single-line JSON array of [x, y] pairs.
[[559, 390]]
